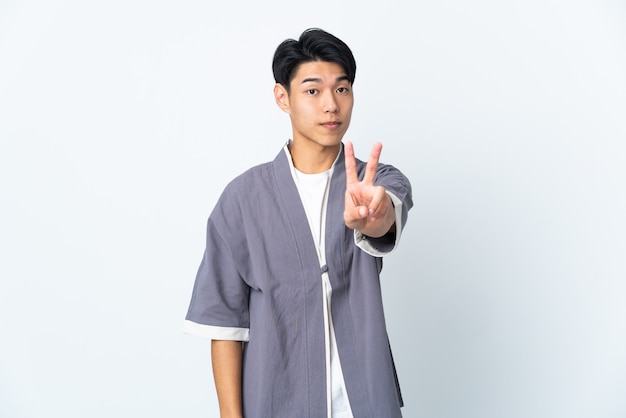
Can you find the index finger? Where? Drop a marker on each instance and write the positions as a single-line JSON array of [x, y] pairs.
[[372, 163], [351, 174]]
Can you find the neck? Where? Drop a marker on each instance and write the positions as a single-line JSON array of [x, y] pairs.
[[313, 159]]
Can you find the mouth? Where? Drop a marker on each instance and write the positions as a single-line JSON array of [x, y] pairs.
[[332, 124]]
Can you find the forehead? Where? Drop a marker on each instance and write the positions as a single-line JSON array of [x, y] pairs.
[[318, 70]]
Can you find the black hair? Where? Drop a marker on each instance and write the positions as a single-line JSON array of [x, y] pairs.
[[314, 45]]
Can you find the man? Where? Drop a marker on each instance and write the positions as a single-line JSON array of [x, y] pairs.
[[288, 289]]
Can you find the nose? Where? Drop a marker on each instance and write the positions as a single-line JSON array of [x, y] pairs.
[[330, 103]]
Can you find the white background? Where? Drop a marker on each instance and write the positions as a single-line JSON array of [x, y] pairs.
[[122, 121]]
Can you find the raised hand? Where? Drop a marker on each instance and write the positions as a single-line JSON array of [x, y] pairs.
[[368, 208]]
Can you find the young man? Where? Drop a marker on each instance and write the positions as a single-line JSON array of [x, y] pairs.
[[293, 256]]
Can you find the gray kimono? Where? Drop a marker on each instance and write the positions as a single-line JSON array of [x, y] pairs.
[[260, 282]]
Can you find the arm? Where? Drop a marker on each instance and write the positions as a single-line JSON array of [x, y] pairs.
[[226, 358]]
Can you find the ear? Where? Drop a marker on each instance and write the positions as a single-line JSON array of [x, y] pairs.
[[282, 97]]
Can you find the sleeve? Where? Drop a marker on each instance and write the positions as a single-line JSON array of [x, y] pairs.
[[219, 303], [398, 187]]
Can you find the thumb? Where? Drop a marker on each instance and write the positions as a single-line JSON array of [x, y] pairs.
[[353, 217]]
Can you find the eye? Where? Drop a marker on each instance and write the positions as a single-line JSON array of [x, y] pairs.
[[311, 92], [342, 90]]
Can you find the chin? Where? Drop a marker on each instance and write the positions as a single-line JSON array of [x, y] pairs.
[[326, 141], [330, 144], [331, 141]]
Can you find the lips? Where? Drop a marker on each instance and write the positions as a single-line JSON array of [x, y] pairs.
[[331, 124]]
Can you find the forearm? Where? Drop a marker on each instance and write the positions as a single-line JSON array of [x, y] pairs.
[[226, 358]]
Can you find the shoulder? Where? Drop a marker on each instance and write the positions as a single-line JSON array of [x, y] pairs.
[[246, 186], [388, 169], [383, 171], [250, 179]]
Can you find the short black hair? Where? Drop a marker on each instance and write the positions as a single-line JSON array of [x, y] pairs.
[[314, 45]]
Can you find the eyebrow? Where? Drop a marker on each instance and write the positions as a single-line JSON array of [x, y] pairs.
[[319, 80]]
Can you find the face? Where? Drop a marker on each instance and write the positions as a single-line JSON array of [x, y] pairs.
[[319, 104]]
